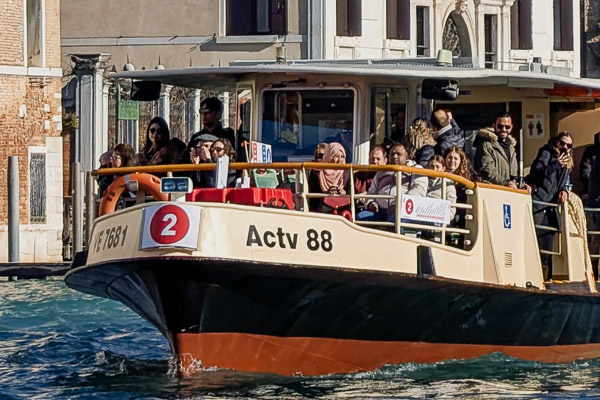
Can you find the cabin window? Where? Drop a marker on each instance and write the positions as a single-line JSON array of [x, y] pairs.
[[398, 19], [256, 17], [349, 17], [563, 25], [491, 40], [37, 188], [34, 33], [423, 32], [244, 114], [388, 115], [295, 121], [520, 25]]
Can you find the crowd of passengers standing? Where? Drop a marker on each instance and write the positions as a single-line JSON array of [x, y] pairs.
[[437, 143]]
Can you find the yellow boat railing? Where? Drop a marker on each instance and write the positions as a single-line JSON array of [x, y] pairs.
[[441, 232]]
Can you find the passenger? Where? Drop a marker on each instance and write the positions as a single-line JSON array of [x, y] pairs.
[[104, 181], [223, 147], [220, 148], [329, 181], [384, 183], [334, 181], [155, 151], [548, 177], [364, 179], [199, 153], [589, 176], [211, 111], [399, 124], [320, 151], [123, 156], [418, 142], [496, 159], [178, 150], [445, 131], [434, 190], [458, 163]]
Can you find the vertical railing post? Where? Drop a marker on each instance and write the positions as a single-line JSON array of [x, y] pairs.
[[77, 209], [13, 209], [90, 207], [397, 211], [352, 192]]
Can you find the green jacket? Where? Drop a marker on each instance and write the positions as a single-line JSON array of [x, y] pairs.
[[490, 158]]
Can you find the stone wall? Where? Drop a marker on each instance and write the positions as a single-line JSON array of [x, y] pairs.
[[30, 123]]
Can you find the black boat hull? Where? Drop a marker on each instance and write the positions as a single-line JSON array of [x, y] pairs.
[[289, 319]]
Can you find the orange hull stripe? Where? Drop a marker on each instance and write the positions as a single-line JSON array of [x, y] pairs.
[[319, 356]]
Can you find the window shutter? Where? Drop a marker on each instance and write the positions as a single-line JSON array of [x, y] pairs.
[[355, 17], [566, 24], [279, 17], [403, 19], [392, 19], [239, 17], [525, 34], [342, 17]]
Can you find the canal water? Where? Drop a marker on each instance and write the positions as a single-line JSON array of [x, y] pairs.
[[56, 343]]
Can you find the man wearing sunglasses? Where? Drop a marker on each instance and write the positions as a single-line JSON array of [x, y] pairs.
[[549, 180], [211, 110], [496, 159]]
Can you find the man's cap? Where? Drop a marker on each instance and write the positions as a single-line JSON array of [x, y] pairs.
[[207, 137]]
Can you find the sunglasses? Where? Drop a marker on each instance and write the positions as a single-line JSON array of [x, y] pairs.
[[153, 130], [504, 126], [567, 145], [319, 156], [217, 149]]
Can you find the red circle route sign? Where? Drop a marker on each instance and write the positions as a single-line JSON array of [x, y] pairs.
[[409, 207], [169, 225]]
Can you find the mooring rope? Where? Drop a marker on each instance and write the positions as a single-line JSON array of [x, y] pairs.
[[577, 214]]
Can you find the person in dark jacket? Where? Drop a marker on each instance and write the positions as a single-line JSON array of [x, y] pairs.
[[211, 110], [589, 175], [418, 142], [156, 148], [548, 178], [496, 158], [446, 132]]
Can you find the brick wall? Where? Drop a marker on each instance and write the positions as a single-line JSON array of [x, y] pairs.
[[11, 32], [36, 100], [31, 116]]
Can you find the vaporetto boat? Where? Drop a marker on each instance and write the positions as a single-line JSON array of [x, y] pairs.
[[271, 286]]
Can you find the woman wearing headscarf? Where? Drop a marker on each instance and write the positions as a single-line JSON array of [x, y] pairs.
[[330, 181]]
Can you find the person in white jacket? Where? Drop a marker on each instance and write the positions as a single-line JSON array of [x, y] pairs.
[[384, 183]]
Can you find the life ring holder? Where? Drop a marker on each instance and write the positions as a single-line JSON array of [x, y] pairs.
[[146, 182]]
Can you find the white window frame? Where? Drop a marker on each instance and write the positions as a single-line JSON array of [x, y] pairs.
[[42, 35]]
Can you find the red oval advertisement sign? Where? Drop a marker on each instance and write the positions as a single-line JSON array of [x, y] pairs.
[[409, 207], [169, 225]]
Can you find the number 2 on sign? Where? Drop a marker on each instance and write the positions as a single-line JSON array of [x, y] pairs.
[[172, 220]]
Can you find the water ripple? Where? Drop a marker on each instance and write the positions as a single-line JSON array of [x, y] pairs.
[[56, 343]]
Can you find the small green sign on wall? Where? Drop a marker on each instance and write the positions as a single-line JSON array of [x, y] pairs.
[[129, 110]]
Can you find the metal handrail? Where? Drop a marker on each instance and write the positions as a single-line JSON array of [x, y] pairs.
[[303, 193], [560, 208]]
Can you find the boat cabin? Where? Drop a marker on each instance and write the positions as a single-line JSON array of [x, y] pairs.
[[293, 107]]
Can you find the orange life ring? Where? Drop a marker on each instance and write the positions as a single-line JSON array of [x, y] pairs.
[[146, 182]]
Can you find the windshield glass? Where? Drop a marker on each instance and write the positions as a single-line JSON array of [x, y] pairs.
[[295, 121]]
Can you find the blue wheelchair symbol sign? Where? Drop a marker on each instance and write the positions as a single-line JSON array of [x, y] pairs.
[[507, 217]]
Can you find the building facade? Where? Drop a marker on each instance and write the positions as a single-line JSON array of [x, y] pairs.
[[31, 125]]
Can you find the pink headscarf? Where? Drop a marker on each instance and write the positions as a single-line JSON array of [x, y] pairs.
[[333, 177]]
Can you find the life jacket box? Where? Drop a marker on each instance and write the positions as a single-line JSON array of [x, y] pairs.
[[266, 197], [209, 194]]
